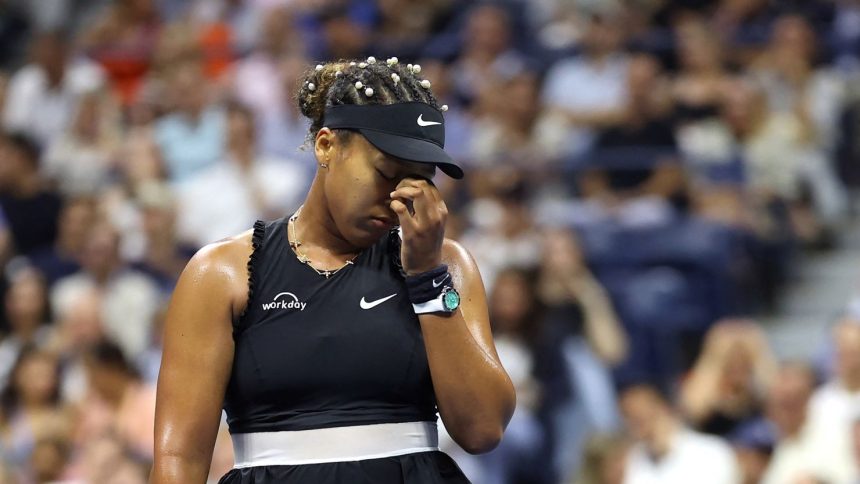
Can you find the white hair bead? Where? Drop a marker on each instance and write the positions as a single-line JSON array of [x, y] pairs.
[[362, 65], [368, 91], [395, 78], [392, 61], [416, 69], [312, 87], [338, 74], [444, 108], [319, 67], [425, 84], [358, 85], [409, 67], [371, 60]]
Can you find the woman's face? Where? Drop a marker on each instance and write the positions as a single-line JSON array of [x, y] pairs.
[[26, 301], [511, 302], [357, 184], [37, 379]]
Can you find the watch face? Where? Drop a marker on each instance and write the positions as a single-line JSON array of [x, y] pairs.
[[451, 299]]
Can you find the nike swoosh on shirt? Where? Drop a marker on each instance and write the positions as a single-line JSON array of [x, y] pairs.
[[372, 304], [421, 121], [437, 284]]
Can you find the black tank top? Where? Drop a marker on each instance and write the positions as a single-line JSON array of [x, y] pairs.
[[315, 352]]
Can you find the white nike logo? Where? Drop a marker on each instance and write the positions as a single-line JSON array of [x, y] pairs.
[[372, 304], [421, 121], [437, 284]]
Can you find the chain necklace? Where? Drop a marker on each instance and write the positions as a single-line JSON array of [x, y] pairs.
[[295, 244]]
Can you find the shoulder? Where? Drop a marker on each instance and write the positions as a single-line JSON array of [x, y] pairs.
[[222, 268], [223, 254], [461, 264], [454, 252]]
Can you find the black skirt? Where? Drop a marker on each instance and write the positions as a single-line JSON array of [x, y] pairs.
[[420, 468]]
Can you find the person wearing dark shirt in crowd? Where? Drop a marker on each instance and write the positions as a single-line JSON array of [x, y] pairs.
[[583, 327], [638, 152], [63, 258], [164, 257], [31, 209]]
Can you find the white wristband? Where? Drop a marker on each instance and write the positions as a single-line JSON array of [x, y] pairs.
[[431, 306]]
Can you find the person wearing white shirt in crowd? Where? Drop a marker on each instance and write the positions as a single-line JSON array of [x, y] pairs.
[[665, 451], [128, 300], [796, 455], [835, 405], [43, 95], [244, 185], [590, 90]]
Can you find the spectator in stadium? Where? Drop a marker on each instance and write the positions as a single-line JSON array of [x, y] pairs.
[[798, 453], [603, 460], [30, 207], [244, 183], [503, 234], [282, 130], [63, 258], [129, 299], [781, 162], [637, 153], [192, 137], [26, 305], [698, 86], [403, 28], [753, 444], [667, 452], [797, 84], [590, 90], [81, 161], [259, 80], [49, 459], [512, 129], [164, 255], [123, 40], [127, 402], [725, 388], [833, 406], [31, 407], [43, 95], [487, 51], [583, 329]]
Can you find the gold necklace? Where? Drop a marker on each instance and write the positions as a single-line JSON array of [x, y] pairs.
[[295, 244]]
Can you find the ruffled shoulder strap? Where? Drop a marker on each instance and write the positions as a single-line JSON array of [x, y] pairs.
[[253, 260]]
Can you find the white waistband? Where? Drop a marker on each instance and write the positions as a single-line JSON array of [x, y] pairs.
[[338, 444]]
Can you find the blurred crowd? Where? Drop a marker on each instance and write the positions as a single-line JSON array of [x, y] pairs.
[[642, 176]]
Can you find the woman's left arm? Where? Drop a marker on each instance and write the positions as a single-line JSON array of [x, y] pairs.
[[474, 393]]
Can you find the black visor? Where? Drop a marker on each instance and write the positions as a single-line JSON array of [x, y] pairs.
[[412, 131]]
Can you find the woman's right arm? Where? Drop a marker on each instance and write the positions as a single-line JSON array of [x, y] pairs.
[[198, 354]]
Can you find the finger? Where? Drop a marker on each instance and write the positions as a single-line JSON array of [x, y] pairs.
[[422, 205], [402, 211], [435, 196], [414, 182], [408, 193]]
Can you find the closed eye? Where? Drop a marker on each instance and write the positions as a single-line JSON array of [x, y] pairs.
[[384, 176]]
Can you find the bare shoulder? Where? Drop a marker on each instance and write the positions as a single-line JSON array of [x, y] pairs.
[[223, 264], [454, 253], [461, 264]]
